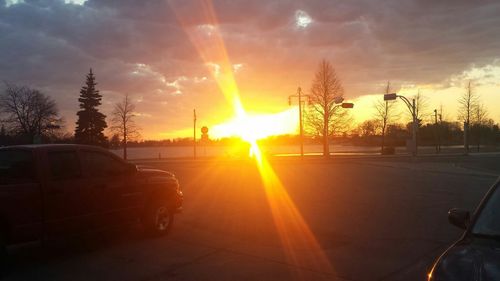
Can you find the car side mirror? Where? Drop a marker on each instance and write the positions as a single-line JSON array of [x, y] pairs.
[[459, 218]]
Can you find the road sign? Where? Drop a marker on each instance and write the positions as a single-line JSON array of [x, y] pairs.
[[204, 129]]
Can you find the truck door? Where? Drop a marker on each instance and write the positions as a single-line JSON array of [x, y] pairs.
[[20, 195], [70, 203], [121, 196]]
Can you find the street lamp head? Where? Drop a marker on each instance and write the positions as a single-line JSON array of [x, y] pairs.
[[347, 105], [392, 96]]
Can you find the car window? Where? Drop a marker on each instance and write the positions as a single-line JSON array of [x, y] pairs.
[[488, 221], [16, 166], [64, 165], [98, 164]]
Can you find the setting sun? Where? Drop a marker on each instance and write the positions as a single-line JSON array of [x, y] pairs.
[[253, 127]]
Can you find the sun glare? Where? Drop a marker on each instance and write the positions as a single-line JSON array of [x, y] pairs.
[[254, 127], [293, 230]]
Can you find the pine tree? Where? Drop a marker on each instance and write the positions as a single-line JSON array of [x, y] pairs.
[[91, 123]]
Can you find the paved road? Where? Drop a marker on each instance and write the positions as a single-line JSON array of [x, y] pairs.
[[364, 219]]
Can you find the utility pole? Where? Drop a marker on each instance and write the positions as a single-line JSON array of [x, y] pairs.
[[300, 124], [194, 133], [466, 137], [436, 130], [440, 125], [299, 95], [415, 128]]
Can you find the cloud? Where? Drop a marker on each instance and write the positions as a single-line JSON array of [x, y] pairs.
[[141, 48]]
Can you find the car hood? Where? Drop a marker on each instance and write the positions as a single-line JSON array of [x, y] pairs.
[[478, 260]]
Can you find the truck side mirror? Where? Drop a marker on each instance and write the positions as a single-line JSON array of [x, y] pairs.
[[459, 218]]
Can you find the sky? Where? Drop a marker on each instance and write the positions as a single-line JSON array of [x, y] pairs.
[[156, 51]]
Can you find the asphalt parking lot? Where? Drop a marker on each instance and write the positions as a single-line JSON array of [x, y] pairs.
[[349, 219]]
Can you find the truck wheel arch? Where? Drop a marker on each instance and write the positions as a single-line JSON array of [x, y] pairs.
[[159, 193]]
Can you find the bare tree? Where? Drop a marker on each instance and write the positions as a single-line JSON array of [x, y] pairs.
[[114, 141], [368, 128], [468, 101], [123, 122], [479, 119], [443, 115], [384, 114], [326, 117], [28, 112], [421, 106]]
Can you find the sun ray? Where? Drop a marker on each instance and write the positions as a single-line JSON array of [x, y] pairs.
[[298, 241]]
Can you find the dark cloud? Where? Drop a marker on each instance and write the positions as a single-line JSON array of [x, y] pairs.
[[141, 47]]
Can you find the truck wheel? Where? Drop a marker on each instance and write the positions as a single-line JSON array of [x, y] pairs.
[[158, 219]]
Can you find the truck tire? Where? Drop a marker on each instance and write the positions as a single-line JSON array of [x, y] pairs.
[[158, 218]]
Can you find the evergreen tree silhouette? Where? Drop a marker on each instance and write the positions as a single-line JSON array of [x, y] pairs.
[[91, 123]]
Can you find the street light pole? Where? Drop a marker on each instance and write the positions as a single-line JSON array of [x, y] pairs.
[[412, 108]]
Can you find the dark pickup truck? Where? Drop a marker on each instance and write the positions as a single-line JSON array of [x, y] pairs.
[[52, 190]]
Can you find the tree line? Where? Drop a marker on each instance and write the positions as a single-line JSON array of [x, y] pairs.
[[326, 119], [473, 127], [28, 116]]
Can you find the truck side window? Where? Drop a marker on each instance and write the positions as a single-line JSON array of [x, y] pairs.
[[101, 165], [16, 166], [64, 165]]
